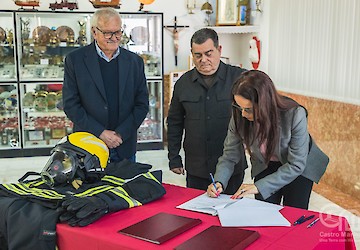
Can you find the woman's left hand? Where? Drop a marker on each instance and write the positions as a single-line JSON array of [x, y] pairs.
[[244, 190]]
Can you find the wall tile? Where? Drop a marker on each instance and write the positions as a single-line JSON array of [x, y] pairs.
[[335, 127]]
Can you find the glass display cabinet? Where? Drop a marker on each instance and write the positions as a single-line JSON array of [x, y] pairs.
[[33, 46], [7, 50], [143, 34], [43, 41], [9, 116]]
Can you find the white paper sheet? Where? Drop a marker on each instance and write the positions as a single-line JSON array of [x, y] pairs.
[[252, 213], [249, 202], [252, 217], [245, 212], [205, 204]]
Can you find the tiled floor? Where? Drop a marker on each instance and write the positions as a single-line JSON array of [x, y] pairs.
[[11, 169]]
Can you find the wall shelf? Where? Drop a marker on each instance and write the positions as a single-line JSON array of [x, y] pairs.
[[235, 29]]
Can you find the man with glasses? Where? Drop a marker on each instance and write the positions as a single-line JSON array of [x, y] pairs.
[[104, 90], [201, 108]]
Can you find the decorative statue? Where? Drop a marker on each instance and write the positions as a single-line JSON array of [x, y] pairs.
[[54, 40], [25, 29], [124, 38], [10, 37], [82, 40]]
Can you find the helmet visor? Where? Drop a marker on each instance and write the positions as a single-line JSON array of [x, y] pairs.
[[59, 168]]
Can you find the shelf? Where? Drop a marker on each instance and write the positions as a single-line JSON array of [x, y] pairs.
[[235, 29], [11, 46], [58, 113]]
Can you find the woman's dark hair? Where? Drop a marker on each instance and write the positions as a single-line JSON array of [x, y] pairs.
[[256, 86]]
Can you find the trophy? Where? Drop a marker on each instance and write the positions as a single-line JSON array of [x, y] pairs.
[[54, 40], [70, 40], [25, 30], [10, 37], [124, 39], [82, 40]]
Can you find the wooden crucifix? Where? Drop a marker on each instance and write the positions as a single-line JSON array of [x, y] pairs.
[[174, 29]]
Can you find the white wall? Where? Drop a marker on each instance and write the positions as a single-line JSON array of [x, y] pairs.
[[312, 47]]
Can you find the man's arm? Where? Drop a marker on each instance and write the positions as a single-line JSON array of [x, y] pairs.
[[73, 107], [175, 125]]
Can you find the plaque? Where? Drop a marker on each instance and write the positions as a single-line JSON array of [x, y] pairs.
[[36, 135], [63, 32], [41, 35], [58, 133]]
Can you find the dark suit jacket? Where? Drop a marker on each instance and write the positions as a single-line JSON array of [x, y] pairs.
[[85, 101]]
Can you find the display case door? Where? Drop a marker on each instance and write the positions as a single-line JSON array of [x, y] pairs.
[[44, 122], [7, 47], [9, 117], [151, 130], [45, 38]]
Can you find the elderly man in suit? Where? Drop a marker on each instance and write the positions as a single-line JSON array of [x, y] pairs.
[[105, 91]]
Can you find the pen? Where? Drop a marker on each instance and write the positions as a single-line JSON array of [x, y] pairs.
[[298, 221], [313, 222], [307, 218], [213, 181]]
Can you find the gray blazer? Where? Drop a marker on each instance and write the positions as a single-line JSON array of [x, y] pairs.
[[296, 151]]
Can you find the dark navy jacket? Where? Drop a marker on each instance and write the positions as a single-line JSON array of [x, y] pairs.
[[85, 101]]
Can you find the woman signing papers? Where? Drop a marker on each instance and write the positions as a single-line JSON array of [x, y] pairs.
[[272, 129]]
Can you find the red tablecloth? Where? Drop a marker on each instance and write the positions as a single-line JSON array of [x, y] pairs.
[[331, 232]]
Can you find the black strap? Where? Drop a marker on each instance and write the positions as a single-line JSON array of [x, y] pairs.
[[27, 174], [310, 142]]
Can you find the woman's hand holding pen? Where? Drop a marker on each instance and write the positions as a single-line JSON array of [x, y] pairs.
[[244, 190], [212, 192]]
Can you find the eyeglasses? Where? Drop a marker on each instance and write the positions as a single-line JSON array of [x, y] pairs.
[[241, 109], [110, 34]]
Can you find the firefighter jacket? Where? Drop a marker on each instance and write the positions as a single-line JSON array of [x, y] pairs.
[[125, 185]]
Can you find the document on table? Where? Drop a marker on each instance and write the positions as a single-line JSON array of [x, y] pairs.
[[252, 213], [205, 204], [253, 203], [245, 212]]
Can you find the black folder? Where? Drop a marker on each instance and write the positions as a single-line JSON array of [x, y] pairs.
[[220, 238], [160, 227]]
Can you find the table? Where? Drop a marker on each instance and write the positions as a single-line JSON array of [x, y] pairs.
[[331, 232]]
